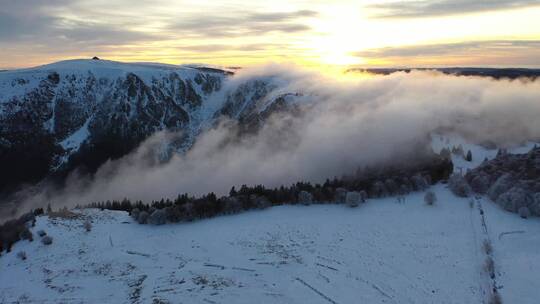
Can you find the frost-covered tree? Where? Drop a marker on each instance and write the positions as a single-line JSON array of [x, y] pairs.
[[353, 199], [514, 199], [158, 217], [391, 186], [430, 198], [135, 213], [363, 196], [378, 189], [419, 182], [261, 202], [232, 205], [524, 212], [479, 182], [143, 217], [305, 198], [500, 186], [458, 185], [340, 195]]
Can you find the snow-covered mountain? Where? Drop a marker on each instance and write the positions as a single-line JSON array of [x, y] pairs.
[[79, 113]]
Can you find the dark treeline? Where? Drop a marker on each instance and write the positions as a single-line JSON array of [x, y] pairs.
[[365, 183], [371, 182]]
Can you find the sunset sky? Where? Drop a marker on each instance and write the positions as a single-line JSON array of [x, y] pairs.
[[241, 33]]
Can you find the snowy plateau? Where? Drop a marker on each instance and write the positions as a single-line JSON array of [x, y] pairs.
[[384, 251]]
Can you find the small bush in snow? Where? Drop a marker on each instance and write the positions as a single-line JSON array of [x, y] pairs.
[[21, 255], [47, 240], [143, 217], [524, 212], [353, 199], [305, 198], [87, 226], [430, 198], [41, 233], [158, 217], [471, 204], [458, 185]]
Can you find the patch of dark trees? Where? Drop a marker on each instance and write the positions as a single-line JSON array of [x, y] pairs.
[[371, 183], [18, 229]]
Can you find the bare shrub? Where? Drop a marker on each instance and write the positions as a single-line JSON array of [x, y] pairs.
[[47, 240], [430, 198], [41, 233]]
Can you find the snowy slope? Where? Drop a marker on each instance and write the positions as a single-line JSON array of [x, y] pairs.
[[479, 153], [382, 252]]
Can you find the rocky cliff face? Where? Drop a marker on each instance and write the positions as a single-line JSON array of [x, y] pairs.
[[80, 113]]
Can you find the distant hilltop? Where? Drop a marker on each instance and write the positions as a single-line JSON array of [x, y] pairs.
[[497, 73]]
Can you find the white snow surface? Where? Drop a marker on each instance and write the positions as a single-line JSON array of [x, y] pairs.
[[380, 252]]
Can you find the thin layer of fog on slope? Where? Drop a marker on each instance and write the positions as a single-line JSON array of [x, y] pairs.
[[343, 124]]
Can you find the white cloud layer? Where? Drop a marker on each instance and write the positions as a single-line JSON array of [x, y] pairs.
[[342, 125]]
